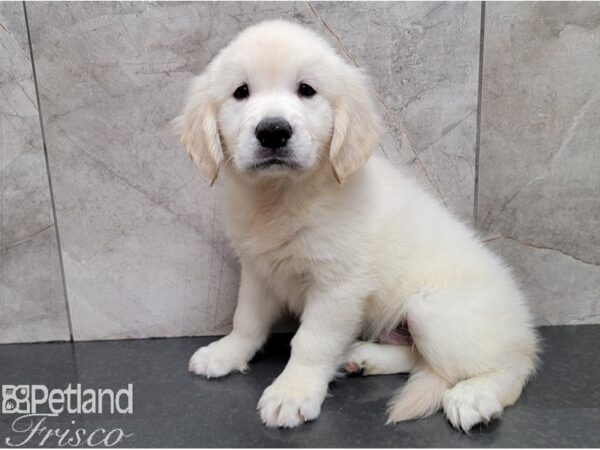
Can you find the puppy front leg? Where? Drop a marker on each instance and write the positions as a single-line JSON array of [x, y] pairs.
[[330, 322], [255, 312]]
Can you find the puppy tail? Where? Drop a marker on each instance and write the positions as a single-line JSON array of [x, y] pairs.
[[420, 397]]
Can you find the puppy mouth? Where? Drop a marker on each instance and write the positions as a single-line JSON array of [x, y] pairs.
[[274, 162]]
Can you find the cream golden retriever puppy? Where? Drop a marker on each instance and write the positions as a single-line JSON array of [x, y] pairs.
[[345, 241]]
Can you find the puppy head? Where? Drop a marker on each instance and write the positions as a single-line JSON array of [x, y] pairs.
[[279, 102]]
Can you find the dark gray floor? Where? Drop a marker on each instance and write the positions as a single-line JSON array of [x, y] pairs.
[[559, 408]]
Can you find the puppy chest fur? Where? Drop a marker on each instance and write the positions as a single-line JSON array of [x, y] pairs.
[[292, 243]]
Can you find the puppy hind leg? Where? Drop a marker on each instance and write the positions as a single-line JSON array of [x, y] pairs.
[[482, 398], [380, 359], [485, 361]]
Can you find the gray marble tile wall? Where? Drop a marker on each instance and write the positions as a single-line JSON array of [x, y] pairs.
[[143, 249], [539, 162], [32, 300]]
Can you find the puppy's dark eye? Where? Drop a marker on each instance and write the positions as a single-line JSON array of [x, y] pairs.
[[241, 92], [306, 90]]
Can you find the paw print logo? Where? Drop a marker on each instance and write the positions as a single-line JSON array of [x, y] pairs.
[[15, 399]]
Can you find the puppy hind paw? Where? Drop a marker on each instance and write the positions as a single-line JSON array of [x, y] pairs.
[[468, 405], [356, 359], [352, 367]]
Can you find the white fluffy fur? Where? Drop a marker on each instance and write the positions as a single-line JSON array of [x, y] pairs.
[[348, 243]]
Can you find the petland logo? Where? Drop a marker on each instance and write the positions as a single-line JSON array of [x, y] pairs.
[[37, 405]]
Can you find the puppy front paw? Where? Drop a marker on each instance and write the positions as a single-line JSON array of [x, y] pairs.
[[218, 359], [291, 401]]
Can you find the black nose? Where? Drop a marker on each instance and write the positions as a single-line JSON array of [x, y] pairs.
[[273, 132]]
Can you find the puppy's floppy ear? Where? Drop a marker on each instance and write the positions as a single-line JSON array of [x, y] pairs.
[[197, 128], [356, 126]]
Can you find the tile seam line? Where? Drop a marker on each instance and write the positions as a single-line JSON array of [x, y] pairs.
[[479, 109], [45, 149]]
